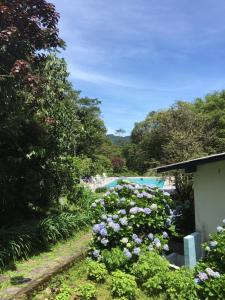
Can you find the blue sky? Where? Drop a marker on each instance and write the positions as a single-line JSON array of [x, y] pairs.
[[141, 55]]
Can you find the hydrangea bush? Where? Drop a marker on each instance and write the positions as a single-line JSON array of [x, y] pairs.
[[134, 218]]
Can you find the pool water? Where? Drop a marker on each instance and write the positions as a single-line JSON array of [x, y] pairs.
[[150, 181]]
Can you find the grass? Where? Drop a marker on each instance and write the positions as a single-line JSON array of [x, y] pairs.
[[74, 278], [28, 268]]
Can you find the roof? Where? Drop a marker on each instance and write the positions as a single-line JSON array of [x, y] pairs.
[[191, 165]]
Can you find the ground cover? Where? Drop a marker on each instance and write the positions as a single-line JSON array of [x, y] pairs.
[[36, 267]]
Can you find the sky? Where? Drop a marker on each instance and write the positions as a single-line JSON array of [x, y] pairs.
[[137, 56]]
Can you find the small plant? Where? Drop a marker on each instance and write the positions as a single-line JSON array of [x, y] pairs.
[[65, 293], [123, 285], [149, 265], [97, 271], [114, 259], [180, 285], [87, 292]]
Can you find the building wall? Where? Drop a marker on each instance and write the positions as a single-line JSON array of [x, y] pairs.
[[209, 192]]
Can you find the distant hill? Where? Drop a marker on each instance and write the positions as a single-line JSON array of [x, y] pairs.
[[119, 140]]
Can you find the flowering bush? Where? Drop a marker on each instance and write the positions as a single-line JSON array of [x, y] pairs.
[[215, 250], [134, 218]]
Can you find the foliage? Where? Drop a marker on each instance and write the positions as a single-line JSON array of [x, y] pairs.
[[87, 292], [123, 285], [155, 285], [210, 278], [215, 255], [180, 285], [114, 259], [148, 265], [65, 293], [23, 241], [133, 218], [97, 271], [101, 189]]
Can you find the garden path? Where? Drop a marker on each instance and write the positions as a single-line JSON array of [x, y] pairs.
[[36, 271]]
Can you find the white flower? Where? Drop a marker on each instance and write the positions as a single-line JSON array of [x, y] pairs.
[[153, 206], [124, 240]]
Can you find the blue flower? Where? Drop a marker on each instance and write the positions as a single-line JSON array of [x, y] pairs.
[[166, 247], [123, 212], [134, 236], [116, 227], [138, 241], [136, 251], [96, 253], [103, 232], [147, 211], [151, 236], [202, 276], [123, 221], [127, 253], [165, 234], [156, 240], [96, 228]]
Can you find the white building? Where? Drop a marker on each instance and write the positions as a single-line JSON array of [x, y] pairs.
[[209, 190]]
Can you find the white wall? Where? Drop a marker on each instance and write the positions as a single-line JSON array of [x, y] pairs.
[[209, 192]]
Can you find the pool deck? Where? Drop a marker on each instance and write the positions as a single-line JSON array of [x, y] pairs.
[[168, 185]]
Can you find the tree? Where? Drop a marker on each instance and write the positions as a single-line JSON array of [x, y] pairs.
[[120, 132]]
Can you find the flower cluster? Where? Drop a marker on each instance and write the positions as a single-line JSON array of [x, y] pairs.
[[203, 276], [134, 218]]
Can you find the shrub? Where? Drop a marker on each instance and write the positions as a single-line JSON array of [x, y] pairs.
[[133, 218], [210, 277], [101, 189], [149, 265], [114, 259], [23, 241], [65, 293], [155, 285], [180, 285], [97, 271], [87, 292], [123, 285], [215, 254]]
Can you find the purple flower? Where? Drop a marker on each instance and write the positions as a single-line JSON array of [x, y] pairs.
[[116, 227], [109, 219], [96, 253], [136, 251], [156, 240], [123, 221], [96, 228], [123, 212], [151, 236], [166, 247], [134, 236], [202, 276], [165, 234], [213, 243], [103, 232], [127, 253], [138, 241], [147, 211], [140, 209]]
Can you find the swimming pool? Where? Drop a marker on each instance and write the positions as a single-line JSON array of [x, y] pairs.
[[151, 181]]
